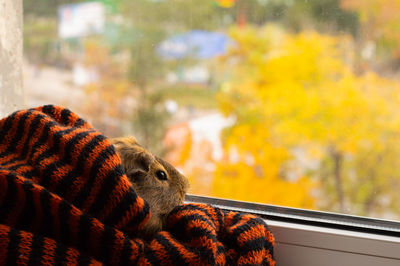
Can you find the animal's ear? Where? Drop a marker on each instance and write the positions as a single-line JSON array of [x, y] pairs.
[[137, 165], [135, 159], [140, 160]]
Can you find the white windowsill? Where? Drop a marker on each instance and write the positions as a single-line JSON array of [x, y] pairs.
[[298, 244], [312, 238]]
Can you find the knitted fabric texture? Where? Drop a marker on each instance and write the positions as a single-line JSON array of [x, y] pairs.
[[65, 199]]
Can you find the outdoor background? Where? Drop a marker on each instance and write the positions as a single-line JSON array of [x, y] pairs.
[[286, 102]]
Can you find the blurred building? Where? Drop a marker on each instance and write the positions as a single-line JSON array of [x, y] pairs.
[[194, 147]]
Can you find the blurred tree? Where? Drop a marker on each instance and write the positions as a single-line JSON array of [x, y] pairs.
[[296, 93], [40, 37], [171, 16], [40, 30], [45, 8], [149, 23], [322, 15], [252, 170], [133, 26], [379, 36], [109, 92]]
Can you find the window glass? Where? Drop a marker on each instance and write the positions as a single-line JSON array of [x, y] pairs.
[[285, 102]]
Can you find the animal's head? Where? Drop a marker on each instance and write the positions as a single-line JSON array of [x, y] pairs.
[[154, 179]]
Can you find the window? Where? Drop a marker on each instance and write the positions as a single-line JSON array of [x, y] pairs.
[[285, 102]]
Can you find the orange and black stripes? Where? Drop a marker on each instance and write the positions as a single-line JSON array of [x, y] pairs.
[[25, 248], [65, 199], [245, 239]]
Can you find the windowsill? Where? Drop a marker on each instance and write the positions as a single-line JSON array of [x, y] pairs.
[[305, 237]]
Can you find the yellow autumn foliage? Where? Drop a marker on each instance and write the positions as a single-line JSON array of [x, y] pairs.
[[297, 92], [251, 171]]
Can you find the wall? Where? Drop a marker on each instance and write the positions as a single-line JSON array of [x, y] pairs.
[[11, 89]]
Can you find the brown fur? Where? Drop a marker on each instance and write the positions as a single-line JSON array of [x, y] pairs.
[[141, 167]]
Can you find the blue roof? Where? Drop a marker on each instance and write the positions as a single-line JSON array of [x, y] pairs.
[[196, 43]]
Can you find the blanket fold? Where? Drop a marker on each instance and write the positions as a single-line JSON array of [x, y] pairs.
[[65, 199]]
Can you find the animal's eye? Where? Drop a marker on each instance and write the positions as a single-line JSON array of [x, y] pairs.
[[161, 175]]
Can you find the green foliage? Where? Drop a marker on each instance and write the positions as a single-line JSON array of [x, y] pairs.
[[190, 96], [45, 8], [40, 40], [150, 22], [149, 122], [329, 17]]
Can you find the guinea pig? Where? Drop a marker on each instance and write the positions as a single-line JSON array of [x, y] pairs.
[[154, 179]]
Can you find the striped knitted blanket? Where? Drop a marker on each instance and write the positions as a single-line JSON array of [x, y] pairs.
[[64, 199]]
